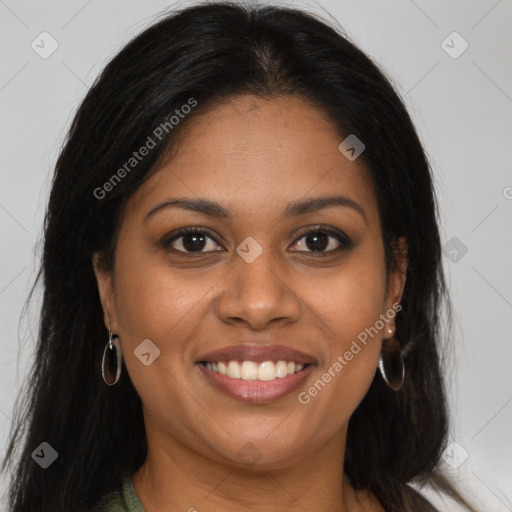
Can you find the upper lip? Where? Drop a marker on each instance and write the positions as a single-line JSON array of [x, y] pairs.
[[258, 354]]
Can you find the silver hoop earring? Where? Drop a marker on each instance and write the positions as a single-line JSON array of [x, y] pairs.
[[391, 364], [111, 354]]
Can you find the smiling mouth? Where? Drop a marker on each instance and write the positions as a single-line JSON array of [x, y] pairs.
[[251, 370], [256, 373]]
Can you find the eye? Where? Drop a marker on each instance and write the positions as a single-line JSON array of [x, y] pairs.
[[323, 240], [319, 240], [190, 240]]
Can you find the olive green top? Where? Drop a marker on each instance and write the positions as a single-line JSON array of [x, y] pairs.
[[125, 500]]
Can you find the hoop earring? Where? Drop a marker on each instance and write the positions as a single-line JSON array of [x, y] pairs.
[[391, 364], [111, 352]]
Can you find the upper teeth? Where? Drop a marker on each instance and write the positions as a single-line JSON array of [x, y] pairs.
[[249, 370]]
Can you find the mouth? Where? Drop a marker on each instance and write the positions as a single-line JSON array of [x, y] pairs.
[[252, 370], [256, 374]]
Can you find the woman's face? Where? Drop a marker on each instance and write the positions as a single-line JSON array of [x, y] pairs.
[[252, 278]]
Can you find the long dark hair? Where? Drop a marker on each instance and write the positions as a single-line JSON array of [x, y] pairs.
[[211, 52]]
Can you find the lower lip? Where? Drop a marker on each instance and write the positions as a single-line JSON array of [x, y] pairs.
[[257, 391]]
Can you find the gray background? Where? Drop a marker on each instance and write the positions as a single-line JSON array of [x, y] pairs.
[[461, 106]]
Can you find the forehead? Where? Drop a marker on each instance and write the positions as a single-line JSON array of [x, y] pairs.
[[255, 153]]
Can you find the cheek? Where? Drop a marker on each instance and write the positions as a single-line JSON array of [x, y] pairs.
[[350, 300], [155, 303], [166, 307], [151, 298], [349, 304]]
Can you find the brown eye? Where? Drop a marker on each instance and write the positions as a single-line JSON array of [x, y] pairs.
[[190, 240], [323, 240]]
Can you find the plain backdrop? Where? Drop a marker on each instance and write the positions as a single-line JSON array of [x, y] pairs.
[[461, 102]]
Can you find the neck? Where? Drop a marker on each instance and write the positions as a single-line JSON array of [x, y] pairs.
[[175, 478]]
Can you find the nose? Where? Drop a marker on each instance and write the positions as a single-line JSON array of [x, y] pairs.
[[258, 294]]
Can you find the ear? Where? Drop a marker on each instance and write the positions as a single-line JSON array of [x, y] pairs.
[[396, 280], [105, 282]]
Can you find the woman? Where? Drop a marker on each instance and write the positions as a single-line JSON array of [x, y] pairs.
[[242, 282]]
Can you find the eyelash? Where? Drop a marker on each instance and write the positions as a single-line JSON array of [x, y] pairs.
[[344, 240]]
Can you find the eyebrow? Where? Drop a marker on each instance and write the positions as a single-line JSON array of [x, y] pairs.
[[293, 209]]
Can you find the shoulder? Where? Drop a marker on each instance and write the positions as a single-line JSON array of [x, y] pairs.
[[122, 500], [112, 502]]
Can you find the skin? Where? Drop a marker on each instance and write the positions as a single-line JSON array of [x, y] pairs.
[[253, 156]]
